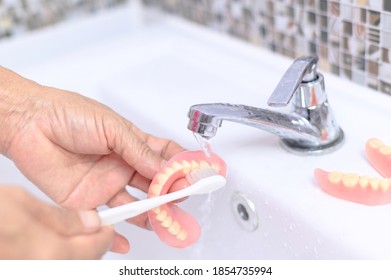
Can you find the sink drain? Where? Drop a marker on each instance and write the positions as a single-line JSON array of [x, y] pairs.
[[244, 211]]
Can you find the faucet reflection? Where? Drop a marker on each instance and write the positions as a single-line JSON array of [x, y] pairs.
[[308, 128]]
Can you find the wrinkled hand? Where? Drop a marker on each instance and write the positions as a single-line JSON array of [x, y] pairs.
[[32, 229], [76, 150]]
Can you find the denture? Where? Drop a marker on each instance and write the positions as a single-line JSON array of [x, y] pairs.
[[355, 188], [361, 189], [379, 155], [172, 224]]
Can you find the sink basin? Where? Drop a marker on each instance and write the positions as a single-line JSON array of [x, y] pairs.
[[271, 207]]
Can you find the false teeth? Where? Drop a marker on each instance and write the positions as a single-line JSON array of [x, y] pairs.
[[174, 228], [161, 216], [379, 155], [173, 225], [352, 187], [352, 180], [362, 189], [167, 222]]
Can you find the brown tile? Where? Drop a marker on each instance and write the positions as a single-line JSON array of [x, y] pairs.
[[372, 68]]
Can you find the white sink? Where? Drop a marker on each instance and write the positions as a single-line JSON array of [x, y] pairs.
[[152, 74]]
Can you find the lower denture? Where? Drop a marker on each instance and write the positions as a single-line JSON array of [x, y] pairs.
[[362, 189], [351, 187]]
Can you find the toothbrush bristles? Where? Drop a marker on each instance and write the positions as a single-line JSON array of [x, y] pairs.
[[199, 174]]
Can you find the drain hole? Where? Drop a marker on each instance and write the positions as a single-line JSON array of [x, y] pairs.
[[243, 212]]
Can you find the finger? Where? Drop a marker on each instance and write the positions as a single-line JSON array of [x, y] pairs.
[[164, 147], [120, 244], [123, 197], [169, 148], [136, 152], [178, 185], [63, 221], [140, 182], [90, 246]]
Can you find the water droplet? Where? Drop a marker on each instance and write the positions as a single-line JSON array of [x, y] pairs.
[[319, 241], [291, 226]]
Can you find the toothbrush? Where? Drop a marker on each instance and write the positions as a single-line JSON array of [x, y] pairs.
[[202, 181]]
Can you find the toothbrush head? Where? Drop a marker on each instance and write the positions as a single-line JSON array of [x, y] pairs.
[[205, 180]]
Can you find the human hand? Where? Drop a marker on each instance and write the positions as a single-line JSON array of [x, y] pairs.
[[33, 229], [76, 150]]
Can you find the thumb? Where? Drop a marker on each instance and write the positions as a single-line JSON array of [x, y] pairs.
[[80, 230], [90, 246], [137, 153], [64, 221]]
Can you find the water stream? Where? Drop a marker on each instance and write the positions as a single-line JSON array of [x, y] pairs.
[[204, 144]]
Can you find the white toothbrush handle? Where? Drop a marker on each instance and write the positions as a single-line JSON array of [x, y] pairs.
[[129, 210]]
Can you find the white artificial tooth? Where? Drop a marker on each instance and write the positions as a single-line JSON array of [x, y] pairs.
[[194, 165], [186, 170], [156, 189], [186, 164], [335, 177], [176, 166], [216, 167], [169, 171], [363, 182], [161, 216], [376, 143], [204, 164], [386, 150], [175, 228], [182, 235], [162, 178], [350, 180], [156, 210], [384, 184], [167, 222], [374, 183]]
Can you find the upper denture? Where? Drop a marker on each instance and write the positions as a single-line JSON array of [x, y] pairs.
[[379, 155]]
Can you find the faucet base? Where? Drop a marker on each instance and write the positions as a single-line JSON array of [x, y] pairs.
[[297, 149]]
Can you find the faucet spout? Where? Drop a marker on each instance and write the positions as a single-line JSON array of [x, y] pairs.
[[205, 119], [297, 133], [308, 128]]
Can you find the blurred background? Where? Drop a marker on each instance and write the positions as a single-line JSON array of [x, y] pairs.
[[351, 37]]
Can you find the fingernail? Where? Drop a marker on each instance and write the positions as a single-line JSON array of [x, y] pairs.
[[148, 225], [90, 218]]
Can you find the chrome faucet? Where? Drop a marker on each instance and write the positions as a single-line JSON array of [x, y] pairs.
[[309, 127]]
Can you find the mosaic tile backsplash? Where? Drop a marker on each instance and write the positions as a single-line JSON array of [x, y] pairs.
[[351, 37], [18, 16]]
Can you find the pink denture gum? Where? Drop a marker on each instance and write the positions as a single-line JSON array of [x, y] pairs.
[[361, 189], [172, 224]]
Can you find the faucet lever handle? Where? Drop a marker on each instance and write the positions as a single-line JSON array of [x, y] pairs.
[[303, 69]]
